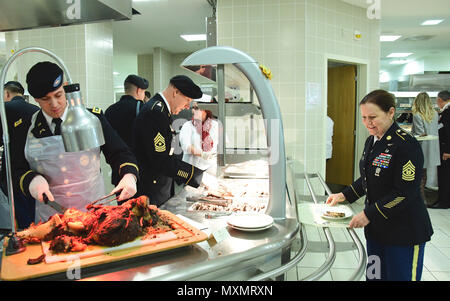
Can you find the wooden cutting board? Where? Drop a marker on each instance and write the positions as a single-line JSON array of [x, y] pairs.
[[15, 267]]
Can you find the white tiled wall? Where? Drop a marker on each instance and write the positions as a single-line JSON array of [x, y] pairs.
[[293, 38], [86, 50]]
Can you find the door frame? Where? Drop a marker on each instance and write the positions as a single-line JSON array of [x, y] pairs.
[[362, 88]]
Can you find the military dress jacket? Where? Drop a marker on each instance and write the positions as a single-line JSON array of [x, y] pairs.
[[152, 140], [117, 154], [121, 116], [18, 115], [391, 171], [444, 130]]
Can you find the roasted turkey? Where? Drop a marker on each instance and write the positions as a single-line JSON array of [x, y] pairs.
[[100, 225]]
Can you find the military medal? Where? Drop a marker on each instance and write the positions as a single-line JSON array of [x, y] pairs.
[[382, 160], [377, 172]]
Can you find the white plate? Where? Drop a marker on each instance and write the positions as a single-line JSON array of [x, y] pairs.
[[250, 220], [344, 210], [251, 229]]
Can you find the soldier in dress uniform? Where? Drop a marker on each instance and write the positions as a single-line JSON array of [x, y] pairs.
[[395, 220], [44, 167], [18, 115], [152, 140], [121, 114], [443, 101]]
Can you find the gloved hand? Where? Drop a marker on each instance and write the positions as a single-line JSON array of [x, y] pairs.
[[39, 186], [127, 185], [210, 182]]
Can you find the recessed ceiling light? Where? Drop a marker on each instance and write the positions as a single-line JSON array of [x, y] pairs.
[[193, 37], [399, 54], [398, 62], [431, 22], [116, 73], [389, 38]]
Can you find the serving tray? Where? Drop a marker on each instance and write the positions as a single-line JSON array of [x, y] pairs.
[[15, 267]]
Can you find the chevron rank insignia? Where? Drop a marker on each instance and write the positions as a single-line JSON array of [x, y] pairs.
[[18, 122], [409, 171], [160, 143], [96, 110]]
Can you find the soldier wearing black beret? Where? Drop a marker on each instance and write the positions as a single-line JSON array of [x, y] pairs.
[[18, 115], [45, 168], [395, 220], [152, 139]]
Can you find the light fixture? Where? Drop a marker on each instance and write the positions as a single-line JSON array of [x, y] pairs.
[[398, 62], [431, 22], [116, 73], [193, 37], [400, 54], [389, 38]]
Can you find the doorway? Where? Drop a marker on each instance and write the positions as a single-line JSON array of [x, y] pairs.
[[341, 100]]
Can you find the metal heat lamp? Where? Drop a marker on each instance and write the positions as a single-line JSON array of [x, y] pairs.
[[80, 131]]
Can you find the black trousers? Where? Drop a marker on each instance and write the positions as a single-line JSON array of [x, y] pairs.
[[444, 182]]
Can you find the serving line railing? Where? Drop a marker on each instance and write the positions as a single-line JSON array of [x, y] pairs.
[[326, 266]]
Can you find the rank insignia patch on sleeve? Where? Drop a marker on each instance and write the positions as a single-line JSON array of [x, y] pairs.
[[409, 171], [160, 143]]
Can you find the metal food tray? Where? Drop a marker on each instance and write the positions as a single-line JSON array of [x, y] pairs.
[[244, 175]]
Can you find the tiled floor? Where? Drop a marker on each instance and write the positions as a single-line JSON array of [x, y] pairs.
[[436, 262]]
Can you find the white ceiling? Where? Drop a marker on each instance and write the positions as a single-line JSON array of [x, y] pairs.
[[403, 17], [160, 24]]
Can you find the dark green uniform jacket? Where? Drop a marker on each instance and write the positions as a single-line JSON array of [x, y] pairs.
[[391, 172], [158, 166]]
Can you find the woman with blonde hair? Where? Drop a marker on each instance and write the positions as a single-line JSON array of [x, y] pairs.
[[425, 122]]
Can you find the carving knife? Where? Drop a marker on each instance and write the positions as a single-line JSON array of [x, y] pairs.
[[54, 205]]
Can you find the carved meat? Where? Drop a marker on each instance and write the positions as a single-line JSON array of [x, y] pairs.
[[101, 225]]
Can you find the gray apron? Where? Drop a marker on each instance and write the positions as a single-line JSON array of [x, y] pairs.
[[74, 178]]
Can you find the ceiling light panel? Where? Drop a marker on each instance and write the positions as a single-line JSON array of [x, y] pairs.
[[431, 22], [193, 37], [389, 38], [399, 54]]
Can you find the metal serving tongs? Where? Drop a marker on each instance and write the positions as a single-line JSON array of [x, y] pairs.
[[89, 206]]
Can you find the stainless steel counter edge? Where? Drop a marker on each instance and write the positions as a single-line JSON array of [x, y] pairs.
[[228, 260]]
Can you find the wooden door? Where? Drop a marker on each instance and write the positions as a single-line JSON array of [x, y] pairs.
[[341, 109]]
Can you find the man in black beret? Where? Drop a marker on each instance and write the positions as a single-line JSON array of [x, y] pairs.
[[18, 115], [152, 142], [43, 167], [121, 114]]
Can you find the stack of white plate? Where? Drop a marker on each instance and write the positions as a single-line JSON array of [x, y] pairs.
[[250, 222]]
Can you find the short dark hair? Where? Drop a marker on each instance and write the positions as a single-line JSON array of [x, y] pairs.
[[148, 94], [444, 95], [383, 99], [129, 87], [14, 87]]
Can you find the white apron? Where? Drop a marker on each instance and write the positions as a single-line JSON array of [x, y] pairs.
[[74, 177]]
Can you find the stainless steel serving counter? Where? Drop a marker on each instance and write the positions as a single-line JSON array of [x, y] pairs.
[[239, 257]]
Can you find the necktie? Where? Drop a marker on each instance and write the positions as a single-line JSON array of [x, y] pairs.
[[58, 122]]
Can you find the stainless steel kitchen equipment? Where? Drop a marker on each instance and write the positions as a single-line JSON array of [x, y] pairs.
[[25, 14], [219, 58]]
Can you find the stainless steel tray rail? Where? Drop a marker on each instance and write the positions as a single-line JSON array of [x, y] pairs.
[[325, 267], [362, 256]]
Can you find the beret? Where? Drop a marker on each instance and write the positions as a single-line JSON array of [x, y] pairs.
[[138, 81], [43, 78], [16, 85], [186, 86]]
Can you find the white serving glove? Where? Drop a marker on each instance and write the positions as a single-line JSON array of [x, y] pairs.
[[39, 186], [127, 185]]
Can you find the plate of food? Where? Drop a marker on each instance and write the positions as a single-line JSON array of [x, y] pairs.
[[336, 213]]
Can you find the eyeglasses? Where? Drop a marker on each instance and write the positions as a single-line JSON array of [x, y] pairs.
[[194, 108]]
